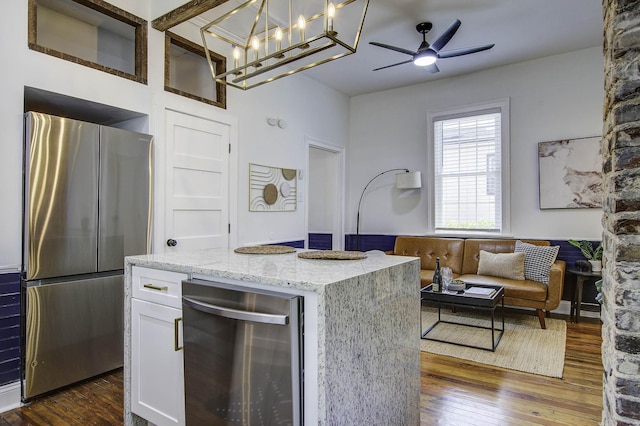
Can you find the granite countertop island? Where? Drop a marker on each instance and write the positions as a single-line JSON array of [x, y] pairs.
[[361, 336]]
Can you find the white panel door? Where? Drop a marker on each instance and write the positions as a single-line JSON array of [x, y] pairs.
[[197, 183]]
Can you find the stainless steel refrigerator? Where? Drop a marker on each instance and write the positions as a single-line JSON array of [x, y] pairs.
[[87, 205]]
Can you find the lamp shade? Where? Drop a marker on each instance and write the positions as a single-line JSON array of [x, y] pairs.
[[409, 180]]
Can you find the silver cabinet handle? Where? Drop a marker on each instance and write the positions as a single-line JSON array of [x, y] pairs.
[[155, 287], [176, 331], [221, 311]]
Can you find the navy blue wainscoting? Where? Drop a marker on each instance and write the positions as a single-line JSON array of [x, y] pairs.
[[318, 241], [9, 328], [294, 244], [570, 254], [370, 242]]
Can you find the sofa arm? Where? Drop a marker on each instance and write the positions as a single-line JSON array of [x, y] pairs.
[[556, 285]]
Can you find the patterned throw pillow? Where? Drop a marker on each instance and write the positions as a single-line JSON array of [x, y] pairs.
[[537, 260], [504, 265]]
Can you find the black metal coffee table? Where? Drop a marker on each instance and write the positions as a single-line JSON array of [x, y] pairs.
[[467, 301]]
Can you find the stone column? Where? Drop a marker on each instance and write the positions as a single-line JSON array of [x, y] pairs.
[[621, 214]]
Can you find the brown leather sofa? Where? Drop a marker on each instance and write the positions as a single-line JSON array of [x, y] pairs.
[[462, 256]]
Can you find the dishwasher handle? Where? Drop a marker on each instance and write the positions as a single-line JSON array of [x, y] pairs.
[[236, 314]]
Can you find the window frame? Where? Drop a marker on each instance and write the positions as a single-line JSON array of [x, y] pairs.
[[219, 60], [503, 107], [138, 24]]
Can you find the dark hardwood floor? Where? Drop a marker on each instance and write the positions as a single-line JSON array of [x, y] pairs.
[[93, 402], [453, 392]]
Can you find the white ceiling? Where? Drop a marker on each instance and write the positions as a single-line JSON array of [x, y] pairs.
[[521, 30]]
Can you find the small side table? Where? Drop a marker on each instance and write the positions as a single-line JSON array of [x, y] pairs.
[[576, 301]]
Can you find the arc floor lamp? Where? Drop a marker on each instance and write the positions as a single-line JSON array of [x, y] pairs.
[[406, 180]]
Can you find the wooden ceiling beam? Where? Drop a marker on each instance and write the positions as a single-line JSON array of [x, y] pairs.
[[183, 13]]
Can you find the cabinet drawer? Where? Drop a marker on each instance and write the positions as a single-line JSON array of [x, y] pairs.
[[154, 285]]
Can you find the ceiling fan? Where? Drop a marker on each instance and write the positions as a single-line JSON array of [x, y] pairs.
[[426, 55]]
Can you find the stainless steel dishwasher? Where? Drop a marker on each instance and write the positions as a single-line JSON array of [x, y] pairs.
[[243, 355]]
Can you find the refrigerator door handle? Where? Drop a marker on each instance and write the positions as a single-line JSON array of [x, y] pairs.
[[236, 314]]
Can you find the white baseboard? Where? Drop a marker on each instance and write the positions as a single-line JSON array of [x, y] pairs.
[[10, 397]]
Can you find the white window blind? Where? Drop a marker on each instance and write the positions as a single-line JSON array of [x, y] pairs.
[[467, 154]]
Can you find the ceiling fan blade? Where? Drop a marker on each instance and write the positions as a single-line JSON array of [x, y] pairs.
[[393, 65], [397, 49], [444, 38], [433, 68], [464, 51]]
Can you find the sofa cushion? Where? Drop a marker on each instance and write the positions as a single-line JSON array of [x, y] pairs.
[[537, 261], [505, 265], [449, 250], [526, 289], [472, 249]]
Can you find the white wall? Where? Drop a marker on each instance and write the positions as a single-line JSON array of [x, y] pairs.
[[309, 108], [552, 98], [322, 174]]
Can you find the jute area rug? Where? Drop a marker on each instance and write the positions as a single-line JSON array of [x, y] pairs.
[[524, 345]]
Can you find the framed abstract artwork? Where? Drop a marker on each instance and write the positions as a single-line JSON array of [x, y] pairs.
[[570, 173], [272, 188]]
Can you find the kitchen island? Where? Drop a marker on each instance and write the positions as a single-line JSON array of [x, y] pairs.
[[361, 331]]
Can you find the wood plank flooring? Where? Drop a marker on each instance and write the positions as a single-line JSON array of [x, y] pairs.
[[93, 402], [453, 392], [457, 392]]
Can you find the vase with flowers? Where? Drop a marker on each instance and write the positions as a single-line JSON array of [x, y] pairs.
[[593, 255]]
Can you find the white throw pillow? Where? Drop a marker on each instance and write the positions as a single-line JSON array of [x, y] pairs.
[[537, 261], [504, 265]]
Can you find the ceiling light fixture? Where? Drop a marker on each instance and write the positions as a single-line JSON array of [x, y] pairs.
[[269, 39], [425, 58]]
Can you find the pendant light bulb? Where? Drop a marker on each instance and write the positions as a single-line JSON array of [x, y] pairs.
[[331, 13], [255, 43], [331, 10], [278, 35], [236, 58], [302, 23]]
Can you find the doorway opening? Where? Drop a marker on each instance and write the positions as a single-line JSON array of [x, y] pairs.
[[325, 196]]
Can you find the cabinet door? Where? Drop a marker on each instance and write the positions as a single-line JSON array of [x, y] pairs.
[[157, 377]]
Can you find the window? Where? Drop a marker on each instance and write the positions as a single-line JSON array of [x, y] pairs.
[[92, 33], [470, 169], [187, 71]]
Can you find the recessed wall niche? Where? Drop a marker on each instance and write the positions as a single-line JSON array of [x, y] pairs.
[[187, 72], [92, 33]]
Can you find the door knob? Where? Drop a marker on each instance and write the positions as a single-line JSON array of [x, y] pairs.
[[171, 242]]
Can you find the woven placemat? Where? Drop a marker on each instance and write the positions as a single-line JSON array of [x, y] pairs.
[[332, 255], [265, 250]]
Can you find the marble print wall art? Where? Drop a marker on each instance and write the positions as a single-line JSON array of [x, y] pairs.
[[570, 173], [272, 188]]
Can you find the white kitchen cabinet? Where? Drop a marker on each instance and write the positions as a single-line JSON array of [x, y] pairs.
[[157, 371], [339, 354]]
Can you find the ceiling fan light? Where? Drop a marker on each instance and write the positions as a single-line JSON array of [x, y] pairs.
[[424, 59]]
